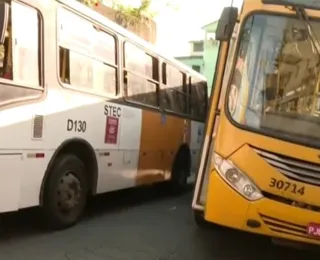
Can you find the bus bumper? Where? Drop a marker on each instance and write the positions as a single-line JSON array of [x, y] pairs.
[[226, 207]]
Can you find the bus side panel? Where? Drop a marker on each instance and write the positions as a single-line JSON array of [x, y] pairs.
[[118, 147], [113, 131], [11, 171], [89, 118], [22, 157], [161, 136]]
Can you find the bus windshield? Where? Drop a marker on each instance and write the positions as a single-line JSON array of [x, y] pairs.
[[275, 83]]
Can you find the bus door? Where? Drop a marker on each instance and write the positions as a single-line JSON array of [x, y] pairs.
[[225, 30]]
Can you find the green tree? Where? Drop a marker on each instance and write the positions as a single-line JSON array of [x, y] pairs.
[[131, 16], [90, 2], [128, 16]]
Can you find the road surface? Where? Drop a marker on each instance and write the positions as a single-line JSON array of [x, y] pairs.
[[134, 225]]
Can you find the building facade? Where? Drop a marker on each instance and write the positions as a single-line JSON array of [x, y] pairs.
[[203, 54], [210, 52], [195, 58]]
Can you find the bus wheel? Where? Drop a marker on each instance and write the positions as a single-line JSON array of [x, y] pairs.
[[180, 173], [199, 219], [65, 192]]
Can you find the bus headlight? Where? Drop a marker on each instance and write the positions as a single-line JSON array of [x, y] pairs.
[[236, 178]]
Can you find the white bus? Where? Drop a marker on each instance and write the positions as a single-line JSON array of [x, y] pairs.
[[87, 107]]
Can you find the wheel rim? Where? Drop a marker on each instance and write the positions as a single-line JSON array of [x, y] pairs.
[[68, 193]]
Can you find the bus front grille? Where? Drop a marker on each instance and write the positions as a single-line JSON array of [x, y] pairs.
[[293, 168], [284, 227]]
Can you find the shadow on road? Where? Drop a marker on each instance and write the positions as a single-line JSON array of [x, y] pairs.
[[176, 230], [26, 223]]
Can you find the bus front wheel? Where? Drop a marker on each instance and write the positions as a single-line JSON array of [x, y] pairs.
[[199, 219], [65, 192], [180, 172]]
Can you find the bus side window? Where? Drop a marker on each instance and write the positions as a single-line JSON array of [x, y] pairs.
[[198, 99], [6, 57], [141, 71], [186, 94], [194, 100], [81, 70], [164, 73], [203, 96], [182, 94], [75, 69], [86, 63], [64, 62], [20, 56], [153, 78], [190, 101], [75, 60], [173, 94], [105, 64], [165, 99]]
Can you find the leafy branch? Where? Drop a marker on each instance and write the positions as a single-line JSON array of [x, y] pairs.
[[90, 2], [131, 16]]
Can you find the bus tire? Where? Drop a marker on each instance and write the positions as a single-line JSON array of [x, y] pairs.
[[199, 219], [180, 172], [65, 192]]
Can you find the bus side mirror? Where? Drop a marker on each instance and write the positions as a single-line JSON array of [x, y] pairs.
[[226, 24], [4, 18]]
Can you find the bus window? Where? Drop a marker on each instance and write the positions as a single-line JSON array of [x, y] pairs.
[[22, 63], [26, 50], [232, 47], [75, 32], [141, 75], [88, 64], [81, 69], [174, 94], [20, 54], [105, 64], [75, 69], [6, 55], [105, 78], [164, 73], [64, 62], [276, 77], [198, 99], [2, 56], [135, 59], [203, 100], [104, 47], [140, 90]]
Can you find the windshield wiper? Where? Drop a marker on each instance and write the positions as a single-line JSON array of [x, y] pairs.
[[302, 15]]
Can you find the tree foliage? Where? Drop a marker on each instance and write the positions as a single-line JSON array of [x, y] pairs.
[[131, 16], [90, 2]]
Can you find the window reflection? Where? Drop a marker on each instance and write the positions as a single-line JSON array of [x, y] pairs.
[[275, 85]]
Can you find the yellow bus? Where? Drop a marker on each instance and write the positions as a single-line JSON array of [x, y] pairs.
[[260, 163], [86, 107]]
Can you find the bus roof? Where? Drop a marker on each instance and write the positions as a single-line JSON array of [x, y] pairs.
[[315, 5], [258, 5], [90, 13]]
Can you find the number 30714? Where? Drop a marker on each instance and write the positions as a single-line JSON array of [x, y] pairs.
[[286, 186]]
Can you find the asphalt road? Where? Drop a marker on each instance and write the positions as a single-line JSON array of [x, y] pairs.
[[134, 225]]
